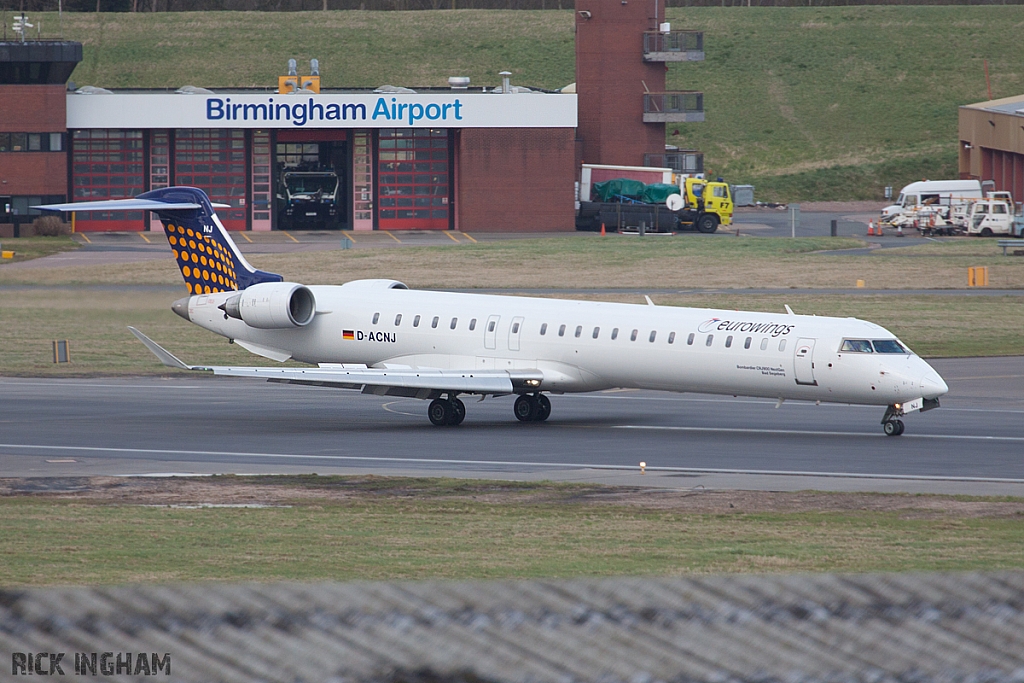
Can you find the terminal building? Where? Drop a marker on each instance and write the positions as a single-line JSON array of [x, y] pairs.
[[501, 157]]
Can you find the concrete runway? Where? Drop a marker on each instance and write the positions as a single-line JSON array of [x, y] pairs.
[[198, 424]]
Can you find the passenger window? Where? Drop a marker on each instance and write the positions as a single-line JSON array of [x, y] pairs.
[[888, 346], [615, 334], [632, 337], [856, 346], [654, 334], [472, 324], [782, 345], [728, 342], [398, 320], [711, 338], [515, 328], [764, 344], [579, 331], [433, 323], [455, 321], [543, 329], [376, 317], [597, 331], [671, 337], [561, 331], [416, 321], [689, 340], [490, 326], [746, 343]]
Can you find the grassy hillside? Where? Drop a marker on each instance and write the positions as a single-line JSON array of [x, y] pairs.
[[804, 103]]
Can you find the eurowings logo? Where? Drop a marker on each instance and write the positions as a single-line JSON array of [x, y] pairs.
[[708, 325]]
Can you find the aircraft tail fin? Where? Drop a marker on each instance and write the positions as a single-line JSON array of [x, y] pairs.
[[207, 257]]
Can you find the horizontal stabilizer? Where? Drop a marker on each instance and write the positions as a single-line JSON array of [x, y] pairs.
[[120, 205], [160, 352]]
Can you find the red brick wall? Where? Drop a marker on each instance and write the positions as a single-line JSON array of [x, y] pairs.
[[610, 78], [33, 173], [516, 179], [33, 108]]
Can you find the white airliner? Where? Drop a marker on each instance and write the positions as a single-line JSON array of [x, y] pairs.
[[382, 338]]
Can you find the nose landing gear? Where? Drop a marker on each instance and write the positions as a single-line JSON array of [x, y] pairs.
[[890, 425]]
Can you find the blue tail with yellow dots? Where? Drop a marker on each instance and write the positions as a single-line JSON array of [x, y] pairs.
[[206, 255]]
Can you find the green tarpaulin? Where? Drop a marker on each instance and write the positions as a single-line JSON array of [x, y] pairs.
[[611, 190], [658, 193]]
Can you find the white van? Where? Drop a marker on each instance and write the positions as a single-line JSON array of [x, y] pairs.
[[927, 196]]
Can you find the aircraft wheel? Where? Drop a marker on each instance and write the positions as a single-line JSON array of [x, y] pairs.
[[893, 427], [458, 412], [526, 408], [440, 412], [543, 407]]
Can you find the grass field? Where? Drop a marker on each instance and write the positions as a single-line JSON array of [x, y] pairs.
[[377, 528], [804, 103]]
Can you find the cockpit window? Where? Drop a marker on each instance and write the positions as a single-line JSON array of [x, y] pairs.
[[888, 346], [856, 346]]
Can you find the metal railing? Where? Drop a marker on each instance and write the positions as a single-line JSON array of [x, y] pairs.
[[680, 102], [673, 41], [680, 162]]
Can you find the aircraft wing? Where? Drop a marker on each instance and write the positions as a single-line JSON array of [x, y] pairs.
[[412, 383]]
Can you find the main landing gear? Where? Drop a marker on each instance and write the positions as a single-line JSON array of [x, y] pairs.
[[446, 411], [890, 425], [532, 408], [450, 411]]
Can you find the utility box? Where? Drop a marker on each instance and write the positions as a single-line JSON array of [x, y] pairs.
[[743, 195]]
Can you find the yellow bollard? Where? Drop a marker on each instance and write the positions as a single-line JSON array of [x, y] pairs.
[[977, 276], [860, 284], [970, 276]]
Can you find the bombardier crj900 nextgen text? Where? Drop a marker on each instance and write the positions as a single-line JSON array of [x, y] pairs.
[[382, 338]]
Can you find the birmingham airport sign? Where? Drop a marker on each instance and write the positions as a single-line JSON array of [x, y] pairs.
[[464, 110]]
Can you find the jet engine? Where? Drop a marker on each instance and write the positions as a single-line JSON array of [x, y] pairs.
[[272, 306]]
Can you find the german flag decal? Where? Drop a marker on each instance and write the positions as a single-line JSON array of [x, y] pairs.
[[348, 334]]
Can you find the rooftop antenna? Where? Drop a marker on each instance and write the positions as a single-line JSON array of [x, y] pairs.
[[20, 25], [60, 17]]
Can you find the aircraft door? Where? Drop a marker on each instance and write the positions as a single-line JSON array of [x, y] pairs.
[[491, 331], [513, 333], [803, 365]]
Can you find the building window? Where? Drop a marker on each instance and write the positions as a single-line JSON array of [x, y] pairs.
[[31, 142], [107, 164], [412, 180], [213, 159]]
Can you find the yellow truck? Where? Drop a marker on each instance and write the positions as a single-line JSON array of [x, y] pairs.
[[631, 198]]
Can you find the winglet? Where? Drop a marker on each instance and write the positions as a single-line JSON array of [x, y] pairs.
[[165, 356], [789, 310], [649, 302]]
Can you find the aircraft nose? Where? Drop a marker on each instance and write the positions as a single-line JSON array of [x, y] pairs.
[[933, 386], [181, 308]]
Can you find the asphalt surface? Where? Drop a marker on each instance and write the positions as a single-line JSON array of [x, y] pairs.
[[198, 424]]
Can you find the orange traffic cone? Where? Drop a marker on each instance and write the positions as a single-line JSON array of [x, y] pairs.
[[871, 228], [602, 230]]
